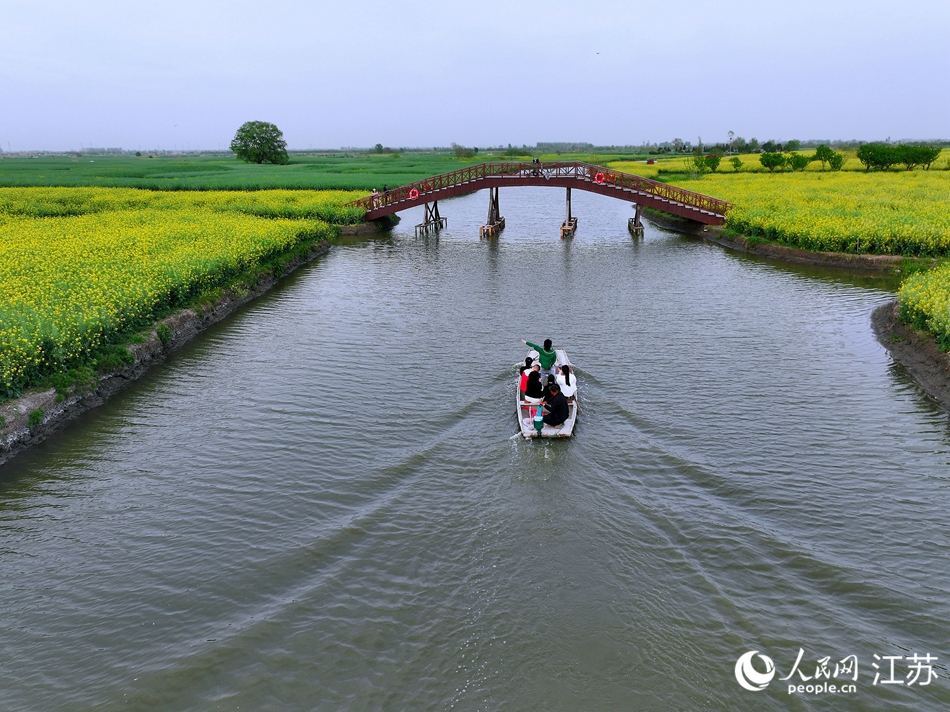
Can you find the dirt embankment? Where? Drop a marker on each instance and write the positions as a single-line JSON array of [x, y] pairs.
[[845, 260], [879, 263], [49, 410], [916, 350]]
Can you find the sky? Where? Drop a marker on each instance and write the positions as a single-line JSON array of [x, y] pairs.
[[185, 74]]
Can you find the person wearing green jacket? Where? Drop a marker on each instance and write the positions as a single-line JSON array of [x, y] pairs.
[[546, 355]]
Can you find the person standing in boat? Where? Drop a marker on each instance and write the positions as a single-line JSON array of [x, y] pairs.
[[546, 355], [555, 405]]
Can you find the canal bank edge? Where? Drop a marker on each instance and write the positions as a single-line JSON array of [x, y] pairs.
[[794, 255], [917, 351], [46, 413]]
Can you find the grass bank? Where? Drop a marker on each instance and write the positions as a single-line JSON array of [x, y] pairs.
[[83, 270]]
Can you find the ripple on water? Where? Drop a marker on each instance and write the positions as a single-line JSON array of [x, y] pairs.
[[317, 504]]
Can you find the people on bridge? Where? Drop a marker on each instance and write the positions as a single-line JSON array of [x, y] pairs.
[[375, 198], [556, 406], [546, 355]]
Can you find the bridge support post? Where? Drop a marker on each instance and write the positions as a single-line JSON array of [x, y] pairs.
[[569, 226], [433, 222], [496, 223], [633, 224]]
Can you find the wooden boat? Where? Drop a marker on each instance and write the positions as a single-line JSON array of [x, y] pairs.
[[528, 410]]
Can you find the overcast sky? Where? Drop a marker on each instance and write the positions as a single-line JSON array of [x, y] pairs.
[[141, 74]]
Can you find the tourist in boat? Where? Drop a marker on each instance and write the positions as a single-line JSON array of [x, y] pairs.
[[533, 392], [546, 355], [567, 382], [556, 406], [547, 385], [523, 383]]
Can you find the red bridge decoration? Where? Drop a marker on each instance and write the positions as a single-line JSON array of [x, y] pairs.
[[585, 176]]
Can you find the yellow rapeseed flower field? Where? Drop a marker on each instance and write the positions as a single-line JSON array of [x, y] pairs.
[[925, 302], [80, 265], [902, 213]]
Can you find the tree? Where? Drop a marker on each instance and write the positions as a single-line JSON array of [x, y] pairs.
[[913, 156], [378, 148], [697, 164], [793, 145], [736, 163], [823, 153], [836, 160], [772, 160], [798, 161], [260, 142], [928, 154], [712, 162], [877, 155], [908, 155]]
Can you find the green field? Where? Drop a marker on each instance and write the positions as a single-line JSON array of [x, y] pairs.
[[332, 171]]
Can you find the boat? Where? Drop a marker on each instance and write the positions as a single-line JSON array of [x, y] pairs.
[[529, 410]]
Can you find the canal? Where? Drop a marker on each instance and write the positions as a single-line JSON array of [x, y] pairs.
[[318, 504]]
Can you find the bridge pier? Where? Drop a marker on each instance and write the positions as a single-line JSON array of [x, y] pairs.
[[569, 226], [496, 223], [633, 224], [433, 222]]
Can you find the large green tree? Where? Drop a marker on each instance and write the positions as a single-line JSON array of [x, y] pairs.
[[260, 142], [772, 160]]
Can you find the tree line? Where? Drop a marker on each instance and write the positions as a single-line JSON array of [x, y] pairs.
[[877, 156]]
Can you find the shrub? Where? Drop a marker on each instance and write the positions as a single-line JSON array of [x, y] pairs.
[[878, 155], [112, 358], [164, 333], [712, 162], [823, 153], [462, 151], [836, 160], [798, 161], [772, 160], [736, 163], [35, 419]]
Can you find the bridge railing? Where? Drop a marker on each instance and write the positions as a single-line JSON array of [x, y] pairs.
[[416, 193]]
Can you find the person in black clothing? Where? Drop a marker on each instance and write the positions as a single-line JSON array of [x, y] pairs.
[[556, 406], [534, 389]]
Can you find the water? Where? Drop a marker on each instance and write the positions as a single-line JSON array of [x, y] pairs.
[[317, 504]]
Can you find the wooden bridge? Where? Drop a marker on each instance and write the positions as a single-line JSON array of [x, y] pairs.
[[584, 176]]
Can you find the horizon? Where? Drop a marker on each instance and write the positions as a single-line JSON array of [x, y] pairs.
[[118, 150]]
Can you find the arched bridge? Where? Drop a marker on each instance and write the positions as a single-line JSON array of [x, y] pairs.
[[585, 176]]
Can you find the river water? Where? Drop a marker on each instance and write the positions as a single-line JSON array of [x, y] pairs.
[[318, 505]]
